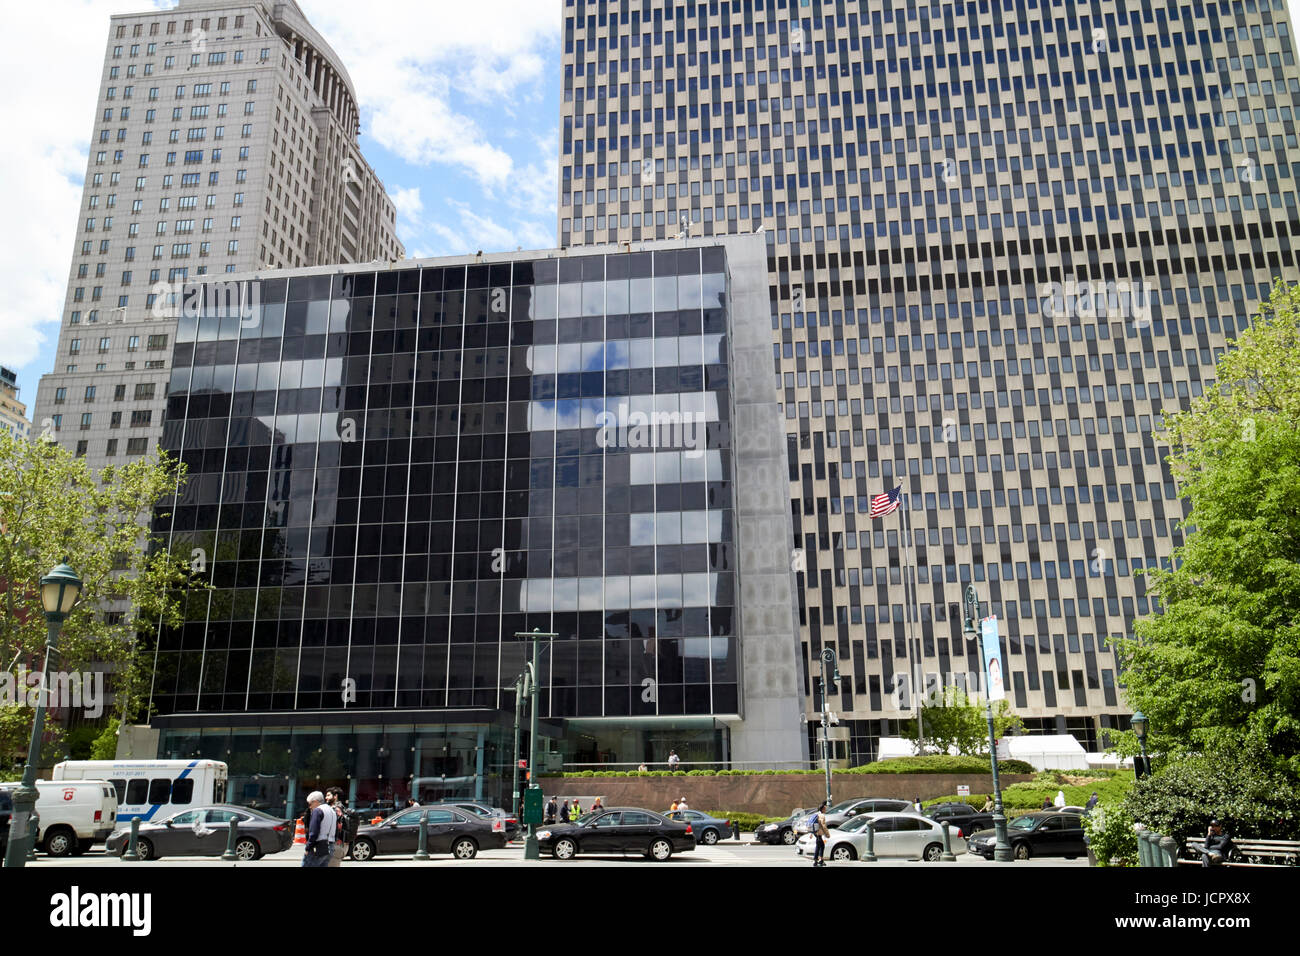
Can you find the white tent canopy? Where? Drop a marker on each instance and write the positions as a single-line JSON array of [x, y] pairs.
[[1045, 751]]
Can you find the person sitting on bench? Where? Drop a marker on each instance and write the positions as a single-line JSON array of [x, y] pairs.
[[1218, 845]]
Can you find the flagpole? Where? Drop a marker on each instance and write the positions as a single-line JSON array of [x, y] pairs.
[[912, 609]]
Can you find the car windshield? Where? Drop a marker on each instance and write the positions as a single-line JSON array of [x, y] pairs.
[[857, 823], [588, 817], [1022, 823]]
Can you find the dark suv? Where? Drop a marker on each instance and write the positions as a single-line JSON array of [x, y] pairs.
[[6, 814], [960, 815]]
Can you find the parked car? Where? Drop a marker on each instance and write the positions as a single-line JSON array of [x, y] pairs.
[[74, 815], [848, 809], [906, 835], [1045, 833], [708, 830], [783, 831], [205, 831], [618, 830], [961, 815], [513, 828], [451, 830]]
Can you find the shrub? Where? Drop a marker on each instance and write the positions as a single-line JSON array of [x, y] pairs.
[[1109, 830], [749, 822], [1239, 787], [941, 763]]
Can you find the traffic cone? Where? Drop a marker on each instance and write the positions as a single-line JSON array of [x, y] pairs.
[[299, 833]]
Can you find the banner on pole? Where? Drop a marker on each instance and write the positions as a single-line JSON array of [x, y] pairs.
[[992, 659]]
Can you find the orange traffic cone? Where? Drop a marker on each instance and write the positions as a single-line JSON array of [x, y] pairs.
[[300, 833]]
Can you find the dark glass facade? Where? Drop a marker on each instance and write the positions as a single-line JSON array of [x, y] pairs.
[[391, 473]]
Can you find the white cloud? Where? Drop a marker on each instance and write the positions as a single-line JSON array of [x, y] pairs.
[[407, 63], [408, 202], [470, 232]]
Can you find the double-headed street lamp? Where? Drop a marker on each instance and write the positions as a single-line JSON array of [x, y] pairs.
[[830, 672], [1001, 846], [60, 591], [527, 684]]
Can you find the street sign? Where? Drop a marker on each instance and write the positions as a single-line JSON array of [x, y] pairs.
[[533, 805], [523, 765], [963, 790]]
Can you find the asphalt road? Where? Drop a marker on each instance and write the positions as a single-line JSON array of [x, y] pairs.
[[726, 853]]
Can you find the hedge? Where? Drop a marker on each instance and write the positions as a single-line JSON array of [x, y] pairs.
[[929, 764]]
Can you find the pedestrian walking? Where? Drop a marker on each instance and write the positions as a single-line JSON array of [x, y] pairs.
[[917, 804], [820, 833], [673, 808], [641, 769], [596, 805], [988, 804], [1047, 804], [564, 812], [347, 827], [673, 760], [1092, 802], [575, 811], [681, 804], [321, 827], [550, 811]]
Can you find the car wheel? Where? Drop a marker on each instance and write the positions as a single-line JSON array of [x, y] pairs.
[[932, 853], [144, 849], [709, 837], [59, 841], [363, 850], [464, 849], [247, 849], [565, 849], [843, 852], [1022, 851], [661, 850], [788, 837]]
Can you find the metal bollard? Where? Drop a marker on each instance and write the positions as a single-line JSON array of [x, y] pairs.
[[735, 830], [229, 855], [423, 852], [132, 855], [33, 828], [870, 855], [1169, 851], [1143, 850], [947, 845]]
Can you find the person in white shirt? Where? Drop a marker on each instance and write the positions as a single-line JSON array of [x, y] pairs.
[[320, 831]]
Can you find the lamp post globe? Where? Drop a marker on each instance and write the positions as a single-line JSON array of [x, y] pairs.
[[60, 592]]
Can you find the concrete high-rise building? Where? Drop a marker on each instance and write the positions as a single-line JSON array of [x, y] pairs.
[[225, 139], [13, 413], [1001, 238]]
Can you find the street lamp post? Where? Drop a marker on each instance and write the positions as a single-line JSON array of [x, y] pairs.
[[830, 673], [529, 679], [1139, 724], [1001, 846], [60, 591]]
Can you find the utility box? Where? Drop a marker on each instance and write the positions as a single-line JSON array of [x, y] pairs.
[[533, 806]]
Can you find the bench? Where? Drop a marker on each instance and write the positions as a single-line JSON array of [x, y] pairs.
[[1251, 853]]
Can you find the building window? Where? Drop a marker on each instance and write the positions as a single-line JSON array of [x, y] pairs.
[[60, 396], [144, 391], [137, 446], [142, 418], [110, 450], [85, 421]]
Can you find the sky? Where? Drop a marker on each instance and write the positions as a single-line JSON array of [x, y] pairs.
[[460, 107], [460, 111]]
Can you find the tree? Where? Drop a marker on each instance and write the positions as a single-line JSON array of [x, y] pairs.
[[53, 510], [1220, 666], [960, 722]]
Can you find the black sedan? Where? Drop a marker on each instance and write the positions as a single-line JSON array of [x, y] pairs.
[[961, 815], [205, 831], [782, 831], [1046, 833], [708, 830], [451, 830], [620, 830]]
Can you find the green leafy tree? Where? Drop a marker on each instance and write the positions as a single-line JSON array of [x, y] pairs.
[[105, 745], [956, 720], [1221, 664], [53, 509]]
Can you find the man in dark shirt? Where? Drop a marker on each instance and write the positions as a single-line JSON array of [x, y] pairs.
[[321, 828], [1218, 845]]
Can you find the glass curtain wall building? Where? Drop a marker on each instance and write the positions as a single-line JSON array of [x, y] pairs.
[[392, 473], [1001, 238]]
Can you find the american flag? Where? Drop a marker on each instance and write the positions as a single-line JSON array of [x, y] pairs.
[[885, 504]]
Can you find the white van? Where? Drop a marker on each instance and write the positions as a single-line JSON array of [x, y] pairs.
[[74, 815], [153, 788]]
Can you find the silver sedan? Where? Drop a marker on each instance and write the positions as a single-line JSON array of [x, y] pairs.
[[906, 835]]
